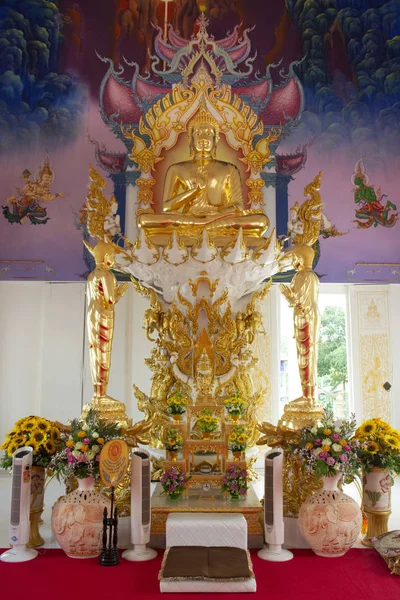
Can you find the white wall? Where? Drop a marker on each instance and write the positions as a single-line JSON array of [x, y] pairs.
[[44, 358]]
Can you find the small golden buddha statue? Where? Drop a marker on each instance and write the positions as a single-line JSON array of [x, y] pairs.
[[203, 192], [302, 295]]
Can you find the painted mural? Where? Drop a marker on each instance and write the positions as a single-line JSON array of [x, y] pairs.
[[328, 74]]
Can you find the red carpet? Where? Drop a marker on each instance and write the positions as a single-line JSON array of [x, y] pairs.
[[359, 575]]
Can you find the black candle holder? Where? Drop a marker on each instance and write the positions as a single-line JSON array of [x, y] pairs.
[[109, 555]]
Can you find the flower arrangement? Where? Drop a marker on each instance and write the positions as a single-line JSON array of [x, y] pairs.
[[329, 448], [235, 482], [235, 405], [379, 445], [206, 421], [176, 404], [84, 443], [174, 481], [173, 440], [42, 435], [237, 441]]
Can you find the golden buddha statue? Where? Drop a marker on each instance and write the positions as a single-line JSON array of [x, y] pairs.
[[302, 295], [103, 293], [203, 192]]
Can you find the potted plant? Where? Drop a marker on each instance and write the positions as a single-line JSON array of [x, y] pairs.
[[177, 406], [173, 442], [379, 454], [174, 482], [77, 518], [237, 441], [235, 482], [235, 406], [44, 438], [207, 423], [329, 520]]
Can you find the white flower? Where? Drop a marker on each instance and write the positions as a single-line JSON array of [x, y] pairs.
[[337, 424], [336, 466], [85, 427], [78, 445], [90, 454], [326, 442], [314, 430], [76, 453], [336, 447], [95, 434], [96, 448], [317, 451]]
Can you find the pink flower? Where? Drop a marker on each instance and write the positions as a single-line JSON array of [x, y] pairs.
[[86, 440], [330, 461], [318, 442], [242, 491], [343, 458], [322, 455], [98, 457], [71, 459], [346, 448], [336, 437], [81, 458]]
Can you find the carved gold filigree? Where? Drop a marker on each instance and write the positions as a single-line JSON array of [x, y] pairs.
[[255, 195], [212, 285], [297, 485], [145, 195], [309, 214]]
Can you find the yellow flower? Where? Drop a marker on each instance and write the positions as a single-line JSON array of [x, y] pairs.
[[208, 419], [232, 437], [50, 446], [30, 424], [241, 439], [34, 446], [43, 425], [84, 448], [100, 441], [372, 447], [327, 431], [19, 441], [369, 427], [81, 434], [392, 442], [11, 449], [343, 442], [38, 436], [70, 443], [309, 446], [171, 442], [55, 433], [325, 448]]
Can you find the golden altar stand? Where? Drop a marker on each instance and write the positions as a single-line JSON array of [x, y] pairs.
[[206, 502]]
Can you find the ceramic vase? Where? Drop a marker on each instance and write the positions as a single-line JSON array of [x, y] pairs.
[[234, 418], [173, 455], [330, 520], [237, 456], [377, 485], [177, 418], [37, 504], [77, 520]]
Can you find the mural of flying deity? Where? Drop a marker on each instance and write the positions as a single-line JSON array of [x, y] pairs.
[[87, 83]]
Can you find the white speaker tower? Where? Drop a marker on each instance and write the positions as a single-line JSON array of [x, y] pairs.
[[140, 508], [273, 509], [20, 505]]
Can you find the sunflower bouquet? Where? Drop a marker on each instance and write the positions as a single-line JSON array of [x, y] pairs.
[[235, 405], [84, 443], [237, 441], [379, 446], [329, 448], [42, 435], [206, 421], [173, 440], [176, 404]]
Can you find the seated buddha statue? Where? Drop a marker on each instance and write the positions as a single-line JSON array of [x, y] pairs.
[[203, 192]]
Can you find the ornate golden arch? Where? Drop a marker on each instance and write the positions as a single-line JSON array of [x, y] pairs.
[[169, 117]]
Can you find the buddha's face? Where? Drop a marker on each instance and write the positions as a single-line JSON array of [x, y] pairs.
[[203, 139]]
